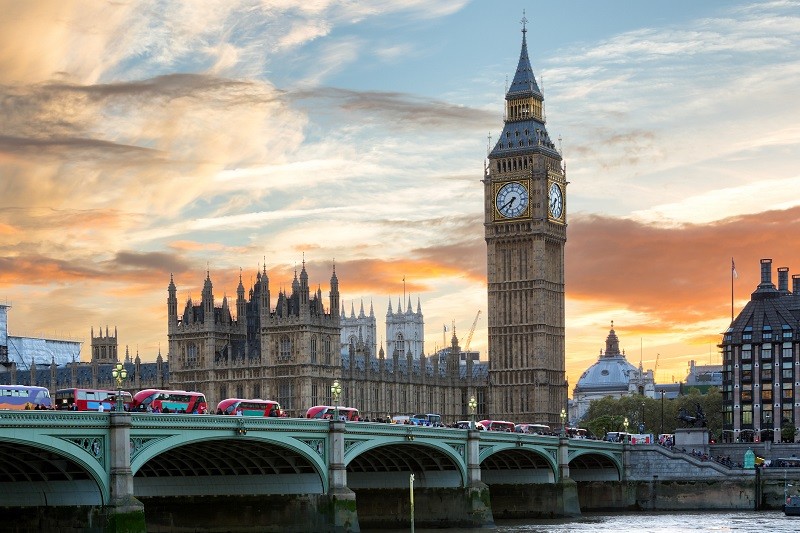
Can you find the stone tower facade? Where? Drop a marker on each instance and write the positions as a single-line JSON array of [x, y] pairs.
[[104, 346], [359, 332], [526, 230], [405, 330], [289, 353]]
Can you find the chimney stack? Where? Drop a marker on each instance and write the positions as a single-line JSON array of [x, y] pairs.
[[783, 280], [766, 272]]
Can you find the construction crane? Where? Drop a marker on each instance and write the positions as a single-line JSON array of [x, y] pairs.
[[471, 331]]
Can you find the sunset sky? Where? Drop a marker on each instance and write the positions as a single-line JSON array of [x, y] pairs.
[[142, 139]]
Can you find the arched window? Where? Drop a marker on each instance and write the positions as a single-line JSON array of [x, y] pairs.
[[352, 343], [326, 346], [285, 348], [399, 344], [313, 348], [191, 354]]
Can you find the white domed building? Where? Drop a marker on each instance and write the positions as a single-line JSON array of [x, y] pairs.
[[612, 375]]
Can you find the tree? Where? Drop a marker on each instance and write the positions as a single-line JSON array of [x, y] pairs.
[[603, 414]]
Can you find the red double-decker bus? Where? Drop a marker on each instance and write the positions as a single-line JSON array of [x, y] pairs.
[[349, 414], [90, 399], [169, 401], [236, 406]]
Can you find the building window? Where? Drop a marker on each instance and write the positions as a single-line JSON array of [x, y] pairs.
[[747, 415], [786, 350], [223, 391], [766, 397], [399, 344], [766, 352], [285, 349], [747, 372], [747, 392], [766, 374], [326, 347], [766, 333], [256, 390], [747, 334], [313, 348], [788, 391], [191, 354], [787, 331], [747, 352]]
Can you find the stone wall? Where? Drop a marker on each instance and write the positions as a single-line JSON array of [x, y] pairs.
[[684, 495], [645, 463]]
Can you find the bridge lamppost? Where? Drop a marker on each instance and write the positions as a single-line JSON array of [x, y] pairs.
[[336, 392], [563, 416], [119, 374], [473, 404], [625, 424]]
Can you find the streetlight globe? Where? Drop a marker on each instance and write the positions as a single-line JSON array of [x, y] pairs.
[[119, 374], [336, 391]]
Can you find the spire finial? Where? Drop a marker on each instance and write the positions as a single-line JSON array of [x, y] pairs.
[[523, 22]]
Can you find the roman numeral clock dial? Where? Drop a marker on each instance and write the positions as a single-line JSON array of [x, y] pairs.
[[512, 200], [555, 201]]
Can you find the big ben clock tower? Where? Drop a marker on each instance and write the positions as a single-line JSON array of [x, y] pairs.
[[526, 229]]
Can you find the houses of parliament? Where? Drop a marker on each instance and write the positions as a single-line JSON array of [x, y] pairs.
[[290, 345]]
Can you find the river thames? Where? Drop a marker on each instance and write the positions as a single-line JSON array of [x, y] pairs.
[[674, 522]]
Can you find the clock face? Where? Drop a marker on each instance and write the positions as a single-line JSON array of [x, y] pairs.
[[512, 200], [556, 201]]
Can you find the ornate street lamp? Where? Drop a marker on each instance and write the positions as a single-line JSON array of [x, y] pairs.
[[119, 374], [336, 392], [625, 424], [563, 422], [473, 404]]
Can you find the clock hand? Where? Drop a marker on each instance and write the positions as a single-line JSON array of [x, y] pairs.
[[508, 203]]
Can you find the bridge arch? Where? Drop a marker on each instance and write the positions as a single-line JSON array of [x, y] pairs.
[[588, 465], [50, 471], [517, 463], [255, 463], [387, 463]]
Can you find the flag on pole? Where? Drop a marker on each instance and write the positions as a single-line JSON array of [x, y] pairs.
[[445, 327], [733, 269]]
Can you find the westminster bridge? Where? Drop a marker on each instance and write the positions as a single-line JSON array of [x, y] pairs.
[[122, 471]]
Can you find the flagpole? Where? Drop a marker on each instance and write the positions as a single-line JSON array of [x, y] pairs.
[[733, 270]]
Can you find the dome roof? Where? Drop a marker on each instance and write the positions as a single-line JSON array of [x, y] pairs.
[[611, 372]]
